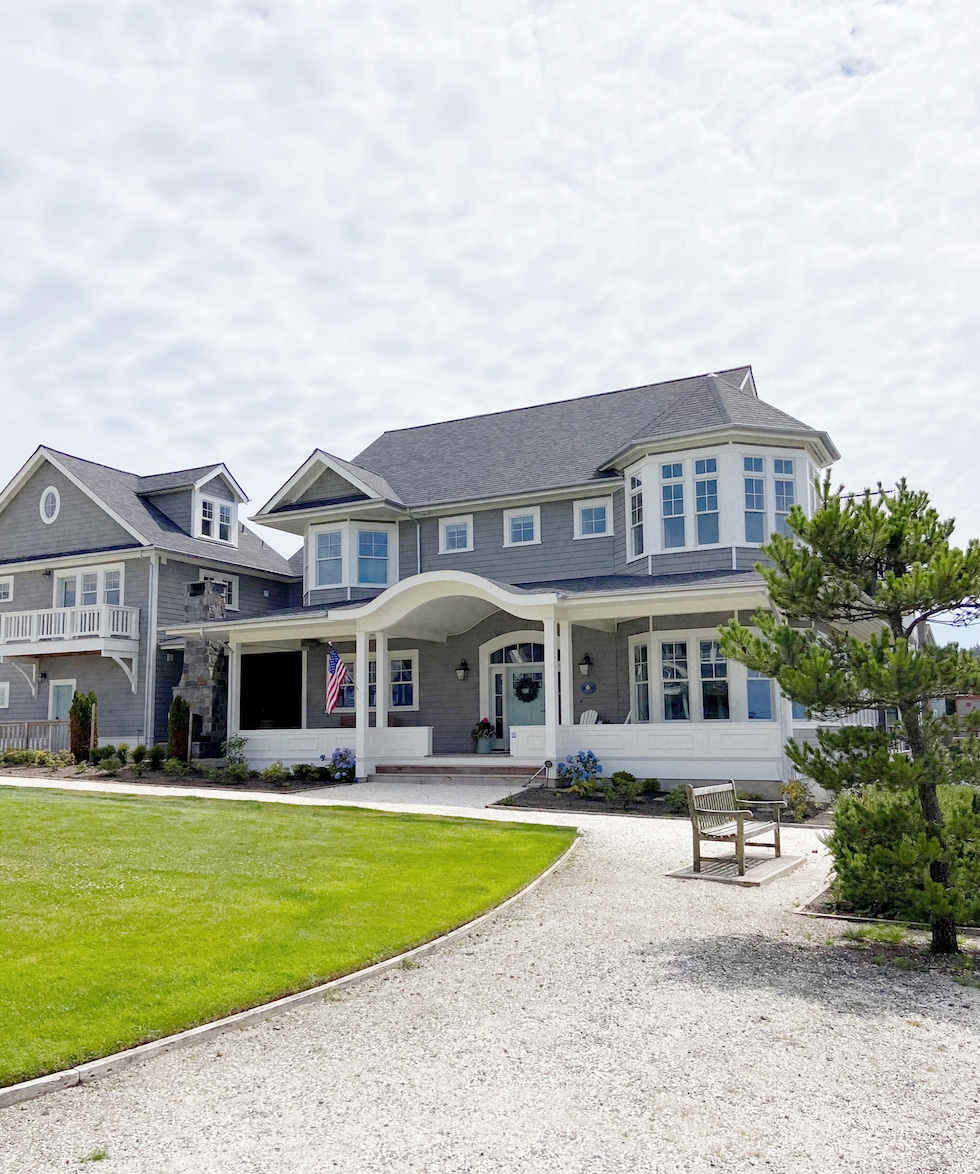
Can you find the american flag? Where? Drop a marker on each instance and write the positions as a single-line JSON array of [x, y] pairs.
[[336, 676]]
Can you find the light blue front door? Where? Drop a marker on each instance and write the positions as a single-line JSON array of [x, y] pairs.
[[61, 696], [524, 709]]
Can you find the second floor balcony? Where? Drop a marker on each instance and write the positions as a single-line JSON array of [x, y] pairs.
[[47, 628]]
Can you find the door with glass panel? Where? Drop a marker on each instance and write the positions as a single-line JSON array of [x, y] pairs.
[[516, 689]]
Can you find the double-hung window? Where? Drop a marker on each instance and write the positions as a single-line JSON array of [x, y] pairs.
[[6, 589], [673, 666], [641, 683], [706, 500], [217, 520], [755, 499], [402, 681], [785, 493], [372, 557], [672, 497], [593, 517], [329, 558], [636, 516], [714, 682]]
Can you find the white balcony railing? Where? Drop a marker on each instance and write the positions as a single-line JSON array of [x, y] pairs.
[[101, 620]]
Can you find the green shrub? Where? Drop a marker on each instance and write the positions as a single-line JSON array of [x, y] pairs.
[[81, 718], [276, 773], [588, 787], [178, 729], [122, 752], [175, 767], [304, 771], [625, 787], [651, 786], [111, 764], [101, 752], [62, 758], [799, 799], [882, 850], [155, 755], [675, 801], [138, 769], [237, 772], [139, 753], [233, 748]]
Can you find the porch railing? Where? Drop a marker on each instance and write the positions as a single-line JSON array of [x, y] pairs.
[[47, 735], [70, 623]]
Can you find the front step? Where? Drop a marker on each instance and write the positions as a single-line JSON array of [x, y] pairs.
[[493, 769], [455, 779]]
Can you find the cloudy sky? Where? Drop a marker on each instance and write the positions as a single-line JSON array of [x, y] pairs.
[[239, 230]]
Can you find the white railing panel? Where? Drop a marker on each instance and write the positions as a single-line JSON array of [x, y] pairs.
[[400, 742], [70, 623]]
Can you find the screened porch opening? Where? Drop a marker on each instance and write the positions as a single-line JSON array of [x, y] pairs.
[[272, 691]]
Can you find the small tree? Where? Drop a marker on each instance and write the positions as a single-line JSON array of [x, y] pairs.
[[851, 596], [80, 718], [178, 729]]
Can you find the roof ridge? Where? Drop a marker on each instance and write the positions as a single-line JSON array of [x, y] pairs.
[[701, 381], [546, 404]]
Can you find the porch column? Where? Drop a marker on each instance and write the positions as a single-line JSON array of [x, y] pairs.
[[382, 696], [234, 688], [551, 687], [567, 673], [361, 708]]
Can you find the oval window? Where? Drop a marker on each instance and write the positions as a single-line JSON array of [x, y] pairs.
[[50, 505]]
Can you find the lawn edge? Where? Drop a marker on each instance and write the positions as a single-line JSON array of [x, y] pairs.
[[91, 1070]]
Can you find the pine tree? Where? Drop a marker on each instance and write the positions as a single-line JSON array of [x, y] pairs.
[[852, 590]]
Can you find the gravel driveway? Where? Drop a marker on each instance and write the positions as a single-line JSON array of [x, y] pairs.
[[615, 1020]]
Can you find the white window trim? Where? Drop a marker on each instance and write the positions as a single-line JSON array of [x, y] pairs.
[[591, 503], [208, 576], [199, 499], [98, 569], [4, 694], [51, 687], [411, 654], [692, 637], [8, 582], [57, 507], [461, 520], [348, 555], [641, 473], [523, 512]]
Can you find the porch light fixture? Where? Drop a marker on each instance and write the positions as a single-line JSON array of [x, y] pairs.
[[585, 665], [462, 670]]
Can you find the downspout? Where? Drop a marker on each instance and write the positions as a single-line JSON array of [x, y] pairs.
[[150, 671]]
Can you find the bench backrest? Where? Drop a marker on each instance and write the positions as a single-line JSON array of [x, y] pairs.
[[720, 800]]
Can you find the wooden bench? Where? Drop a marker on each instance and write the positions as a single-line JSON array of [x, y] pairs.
[[717, 814]]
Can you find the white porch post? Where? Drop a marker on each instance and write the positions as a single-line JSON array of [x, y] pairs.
[[234, 688], [567, 673], [551, 687], [361, 709], [382, 690]]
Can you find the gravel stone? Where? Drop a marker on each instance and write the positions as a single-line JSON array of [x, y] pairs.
[[615, 1020]]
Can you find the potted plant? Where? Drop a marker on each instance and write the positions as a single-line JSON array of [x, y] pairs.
[[483, 734]]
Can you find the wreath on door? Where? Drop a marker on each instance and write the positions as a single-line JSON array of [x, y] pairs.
[[526, 687]]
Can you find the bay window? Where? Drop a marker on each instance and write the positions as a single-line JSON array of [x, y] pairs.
[[672, 499], [351, 554], [706, 500]]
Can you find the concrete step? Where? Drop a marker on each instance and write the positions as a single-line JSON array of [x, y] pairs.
[[480, 767], [485, 780]]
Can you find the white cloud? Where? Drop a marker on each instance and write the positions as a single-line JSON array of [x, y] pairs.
[[241, 231]]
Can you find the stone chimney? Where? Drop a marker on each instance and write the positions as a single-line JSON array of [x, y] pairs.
[[204, 682]]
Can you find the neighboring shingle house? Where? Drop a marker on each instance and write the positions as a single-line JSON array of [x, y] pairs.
[[534, 566], [95, 563]]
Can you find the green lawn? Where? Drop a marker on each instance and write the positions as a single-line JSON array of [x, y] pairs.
[[123, 919]]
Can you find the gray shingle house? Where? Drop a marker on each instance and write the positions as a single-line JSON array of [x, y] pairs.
[[544, 568], [95, 563]]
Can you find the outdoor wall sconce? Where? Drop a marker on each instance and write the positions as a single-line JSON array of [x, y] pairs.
[[585, 665], [462, 670], [47, 573], [42, 676]]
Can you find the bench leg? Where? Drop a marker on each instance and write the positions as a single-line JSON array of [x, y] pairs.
[[778, 851], [697, 851], [740, 848]]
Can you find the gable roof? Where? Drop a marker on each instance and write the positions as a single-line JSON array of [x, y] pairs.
[[119, 494], [188, 479], [372, 485], [566, 443]]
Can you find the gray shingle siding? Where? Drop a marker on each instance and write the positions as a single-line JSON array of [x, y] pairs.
[[80, 524], [330, 486], [177, 506], [219, 487]]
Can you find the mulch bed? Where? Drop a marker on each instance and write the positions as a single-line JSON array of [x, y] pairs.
[[159, 779], [647, 806]]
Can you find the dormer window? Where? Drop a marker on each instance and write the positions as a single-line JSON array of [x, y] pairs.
[[216, 520]]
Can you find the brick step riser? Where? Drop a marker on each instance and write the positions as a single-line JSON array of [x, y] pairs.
[[474, 771], [484, 779]]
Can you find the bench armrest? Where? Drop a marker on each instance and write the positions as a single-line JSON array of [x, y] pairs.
[[762, 802]]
